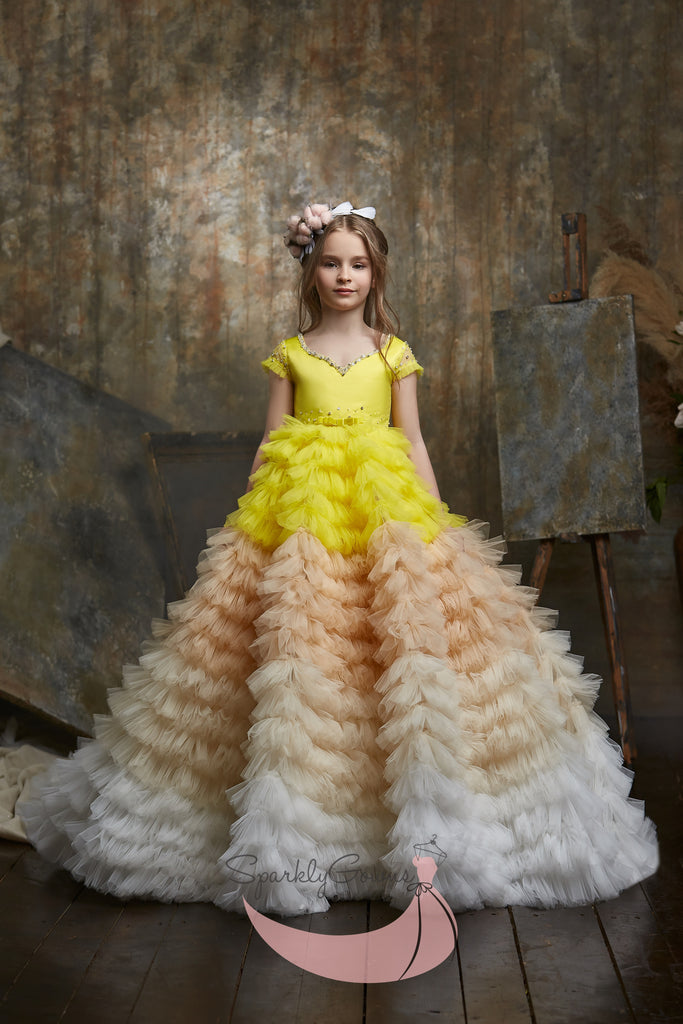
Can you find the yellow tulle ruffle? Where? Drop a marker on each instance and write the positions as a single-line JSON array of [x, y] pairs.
[[339, 482]]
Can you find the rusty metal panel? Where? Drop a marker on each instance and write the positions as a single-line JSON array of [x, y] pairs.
[[80, 547], [567, 416]]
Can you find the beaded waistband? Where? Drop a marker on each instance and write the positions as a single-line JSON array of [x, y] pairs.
[[352, 419]]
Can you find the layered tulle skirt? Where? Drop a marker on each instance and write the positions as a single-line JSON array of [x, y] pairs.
[[353, 675]]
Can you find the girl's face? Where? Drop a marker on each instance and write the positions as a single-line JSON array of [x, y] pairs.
[[344, 275]]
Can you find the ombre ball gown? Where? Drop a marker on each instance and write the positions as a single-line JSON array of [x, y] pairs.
[[352, 675]]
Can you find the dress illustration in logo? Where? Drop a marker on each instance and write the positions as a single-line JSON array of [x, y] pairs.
[[420, 939]]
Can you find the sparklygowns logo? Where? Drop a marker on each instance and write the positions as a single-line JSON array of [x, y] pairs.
[[419, 940]]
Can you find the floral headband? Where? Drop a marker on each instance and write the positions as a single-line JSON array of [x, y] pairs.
[[302, 230]]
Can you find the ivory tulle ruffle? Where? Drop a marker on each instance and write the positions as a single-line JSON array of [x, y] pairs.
[[352, 674]]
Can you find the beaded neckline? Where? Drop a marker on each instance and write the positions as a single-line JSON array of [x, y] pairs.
[[326, 359]]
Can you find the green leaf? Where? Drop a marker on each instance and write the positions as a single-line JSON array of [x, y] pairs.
[[655, 495]]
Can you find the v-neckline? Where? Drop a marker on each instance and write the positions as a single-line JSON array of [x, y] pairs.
[[342, 370]]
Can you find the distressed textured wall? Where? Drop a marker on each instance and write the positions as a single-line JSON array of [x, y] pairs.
[[151, 150]]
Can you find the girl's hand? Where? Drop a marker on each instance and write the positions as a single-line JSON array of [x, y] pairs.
[[280, 404], [405, 414]]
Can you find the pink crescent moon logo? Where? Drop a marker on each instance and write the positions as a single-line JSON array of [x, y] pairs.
[[419, 940]]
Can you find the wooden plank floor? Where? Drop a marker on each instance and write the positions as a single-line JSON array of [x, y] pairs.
[[68, 954]]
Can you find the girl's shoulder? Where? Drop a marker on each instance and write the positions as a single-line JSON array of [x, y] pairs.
[[400, 358]]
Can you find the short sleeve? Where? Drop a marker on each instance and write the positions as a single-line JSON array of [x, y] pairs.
[[404, 362], [278, 362]]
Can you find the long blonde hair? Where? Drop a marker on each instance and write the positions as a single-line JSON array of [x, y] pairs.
[[378, 313]]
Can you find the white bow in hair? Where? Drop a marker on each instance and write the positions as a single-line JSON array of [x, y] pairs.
[[302, 230], [345, 208]]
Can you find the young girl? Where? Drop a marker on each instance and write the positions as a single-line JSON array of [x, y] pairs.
[[353, 674]]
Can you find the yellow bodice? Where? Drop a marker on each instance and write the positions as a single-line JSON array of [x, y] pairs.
[[336, 469], [327, 393]]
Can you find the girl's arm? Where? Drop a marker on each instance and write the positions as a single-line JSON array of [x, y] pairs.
[[404, 413], [280, 404]]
